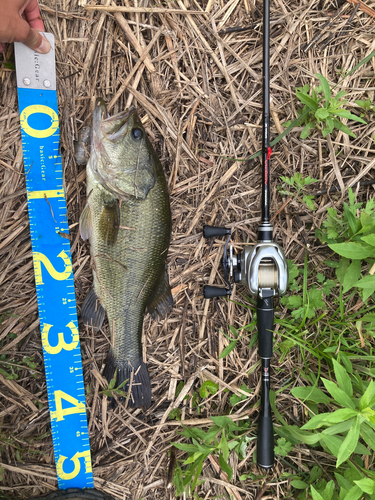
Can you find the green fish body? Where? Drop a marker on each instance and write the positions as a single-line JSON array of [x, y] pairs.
[[127, 220]]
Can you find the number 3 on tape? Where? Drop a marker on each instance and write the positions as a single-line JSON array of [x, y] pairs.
[[36, 84]]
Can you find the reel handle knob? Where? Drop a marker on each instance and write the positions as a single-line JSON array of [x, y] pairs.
[[212, 231], [211, 292]]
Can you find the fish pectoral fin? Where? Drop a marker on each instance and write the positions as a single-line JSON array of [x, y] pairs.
[[85, 223], [92, 313], [82, 147], [161, 301], [109, 222]]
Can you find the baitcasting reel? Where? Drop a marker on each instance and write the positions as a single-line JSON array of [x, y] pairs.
[[262, 268]]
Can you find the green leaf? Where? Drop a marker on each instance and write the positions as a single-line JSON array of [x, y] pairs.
[[366, 484], [305, 99], [330, 418], [316, 298], [112, 382], [228, 349], [370, 240], [344, 128], [368, 398], [352, 250], [223, 445], [341, 269], [208, 387], [344, 113], [352, 275], [341, 428], [301, 436], [325, 87], [224, 421], [354, 493], [342, 482], [310, 394], [298, 484], [343, 378], [349, 444], [225, 467], [328, 285], [329, 490], [368, 318], [353, 221], [315, 422], [366, 282], [308, 200], [368, 435], [307, 129], [321, 114], [292, 301], [333, 443], [190, 448], [315, 494], [283, 447], [338, 394]]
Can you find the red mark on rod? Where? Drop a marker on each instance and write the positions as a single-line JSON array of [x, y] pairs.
[[269, 152]]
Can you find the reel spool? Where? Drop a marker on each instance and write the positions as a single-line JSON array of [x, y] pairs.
[[260, 267]]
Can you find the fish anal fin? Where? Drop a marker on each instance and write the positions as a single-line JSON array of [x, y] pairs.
[[109, 222], [85, 223], [161, 302], [92, 312]]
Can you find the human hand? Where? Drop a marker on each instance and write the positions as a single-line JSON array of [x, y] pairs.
[[20, 21]]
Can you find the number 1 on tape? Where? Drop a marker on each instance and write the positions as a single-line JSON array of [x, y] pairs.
[[36, 84]]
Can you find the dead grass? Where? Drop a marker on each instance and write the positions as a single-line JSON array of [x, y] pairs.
[[197, 87]]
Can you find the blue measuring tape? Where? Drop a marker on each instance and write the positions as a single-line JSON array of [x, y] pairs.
[[36, 84]]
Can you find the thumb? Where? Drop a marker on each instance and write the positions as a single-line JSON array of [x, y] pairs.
[[36, 41]]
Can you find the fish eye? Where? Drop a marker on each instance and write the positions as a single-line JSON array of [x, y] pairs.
[[137, 134]]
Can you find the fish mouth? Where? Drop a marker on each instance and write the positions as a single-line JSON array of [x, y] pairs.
[[109, 127]]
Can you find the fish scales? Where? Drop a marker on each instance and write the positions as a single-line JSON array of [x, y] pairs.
[[128, 222]]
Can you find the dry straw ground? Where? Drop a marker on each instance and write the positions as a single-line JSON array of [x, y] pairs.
[[197, 87]]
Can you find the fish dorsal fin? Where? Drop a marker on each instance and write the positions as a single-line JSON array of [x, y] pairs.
[[85, 223], [109, 222], [92, 313], [161, 301]]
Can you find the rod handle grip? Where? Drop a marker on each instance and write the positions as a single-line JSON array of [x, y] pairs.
[[265, 443], [211, 292], [265, 314], [212, 231]]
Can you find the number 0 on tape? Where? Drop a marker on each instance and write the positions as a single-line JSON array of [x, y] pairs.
[[36, 83]]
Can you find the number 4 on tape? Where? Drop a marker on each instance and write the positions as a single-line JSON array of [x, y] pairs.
[[36, 83]]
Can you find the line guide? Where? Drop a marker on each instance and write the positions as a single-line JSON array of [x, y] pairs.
[[53, 269]]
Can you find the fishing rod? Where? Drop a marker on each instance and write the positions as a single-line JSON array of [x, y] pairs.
[[262, 268]]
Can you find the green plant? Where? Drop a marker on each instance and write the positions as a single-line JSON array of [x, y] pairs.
[[298, 185], [11, 370], [208, 387], [112, 391], [220, 439], [366, 105], [352, 236], [304, 305], [347, 433], [323, 111]]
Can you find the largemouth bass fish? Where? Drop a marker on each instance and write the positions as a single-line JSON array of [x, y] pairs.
[[127, 220]]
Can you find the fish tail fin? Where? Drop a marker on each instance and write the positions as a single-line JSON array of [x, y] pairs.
[[135, 375]]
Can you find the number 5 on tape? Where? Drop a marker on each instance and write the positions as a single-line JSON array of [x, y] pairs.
[[36, 83]]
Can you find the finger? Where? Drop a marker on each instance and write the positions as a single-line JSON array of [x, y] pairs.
[[32, 15], [36, 41]]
